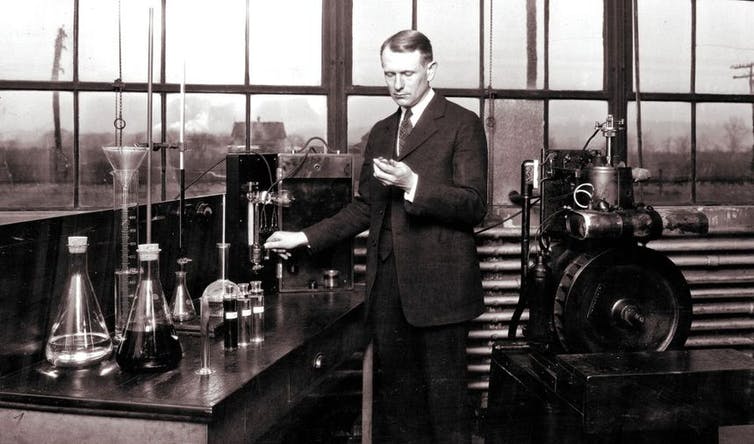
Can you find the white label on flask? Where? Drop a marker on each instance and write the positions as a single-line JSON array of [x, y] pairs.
[[258, 310], [231, 315], [246, 312]]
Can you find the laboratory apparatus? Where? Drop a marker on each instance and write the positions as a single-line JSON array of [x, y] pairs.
[[78, 336], [125, 161], [230, 319], [181, 305], [244, 315], [216, 291], [256, 294], [286, 191], [149, 339], [204, 356]]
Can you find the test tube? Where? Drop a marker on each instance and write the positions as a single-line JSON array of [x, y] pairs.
[[205, 369], [257, 312], [230, 313], [244, 316]]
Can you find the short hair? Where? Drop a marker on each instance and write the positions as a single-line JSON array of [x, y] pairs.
[[409, 40]]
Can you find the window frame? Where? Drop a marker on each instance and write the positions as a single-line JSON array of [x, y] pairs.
[[337, 84]]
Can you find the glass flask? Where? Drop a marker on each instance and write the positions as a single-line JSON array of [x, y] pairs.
[[256, 294], [181, 306], [244, 316], [78, 336], [150, 343], [125, 161], [217, 290]]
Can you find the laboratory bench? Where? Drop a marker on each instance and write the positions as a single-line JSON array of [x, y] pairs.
[[306, 336]]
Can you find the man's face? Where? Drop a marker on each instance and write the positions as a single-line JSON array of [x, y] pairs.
[[406, 77]]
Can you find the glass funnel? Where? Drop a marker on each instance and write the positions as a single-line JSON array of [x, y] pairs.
[[78, 336], [125, 162], [150, 343]]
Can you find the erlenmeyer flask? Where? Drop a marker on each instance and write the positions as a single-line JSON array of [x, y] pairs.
[[181, 306], [149, 340], [78, 336]]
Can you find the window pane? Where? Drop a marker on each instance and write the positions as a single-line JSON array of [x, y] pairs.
[[363, 113], [518, 136], [286, 42], [576, 44], [96, 115], [514, 66], [213, 38], [457, 52], [98, 40], [572, 123], [470, 103], [725, 153], [33, 32], [302, 117], [724, 39], [373, 22], [36, 160], [665, 45], [666, 151], [213, 122]]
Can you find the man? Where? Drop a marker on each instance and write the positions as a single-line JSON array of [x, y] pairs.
[[422, 191]]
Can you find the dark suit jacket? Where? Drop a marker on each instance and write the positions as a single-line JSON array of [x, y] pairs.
[[433, 242]]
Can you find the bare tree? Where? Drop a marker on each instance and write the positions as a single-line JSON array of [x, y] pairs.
[[735, 131]]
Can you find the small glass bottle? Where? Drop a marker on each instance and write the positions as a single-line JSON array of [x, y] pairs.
[[230, 315], [79, 336], [244, 315], [217, 289], [181, 306], [150, 343], [256, 294]]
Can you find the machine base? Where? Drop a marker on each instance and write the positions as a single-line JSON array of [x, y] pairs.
[[641, 397]]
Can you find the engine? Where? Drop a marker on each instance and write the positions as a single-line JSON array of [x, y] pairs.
[[593, 285]]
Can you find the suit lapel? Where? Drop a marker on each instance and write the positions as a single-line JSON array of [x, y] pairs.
[[426, 126], [386, 148]]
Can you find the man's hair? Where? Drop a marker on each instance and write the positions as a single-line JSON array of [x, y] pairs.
[[409, 41]]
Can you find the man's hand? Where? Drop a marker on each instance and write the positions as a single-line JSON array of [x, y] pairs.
[[390, 172], [282, 241]]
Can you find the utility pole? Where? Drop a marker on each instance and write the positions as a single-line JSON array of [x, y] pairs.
[[59, 166], [750, 76]]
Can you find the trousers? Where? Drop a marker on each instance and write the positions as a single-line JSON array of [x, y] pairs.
[[421, 393]]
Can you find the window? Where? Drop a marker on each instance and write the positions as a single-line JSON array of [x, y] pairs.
[[545, 70], [666, 151], [576, 44], [699, 144], [36, 154]]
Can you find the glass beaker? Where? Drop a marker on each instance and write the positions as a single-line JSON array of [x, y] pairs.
[[217, 290], [149, 339], [78, 336], [125, 162], [181, 306]]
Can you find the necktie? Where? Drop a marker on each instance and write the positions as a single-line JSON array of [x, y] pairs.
[[404, 131]]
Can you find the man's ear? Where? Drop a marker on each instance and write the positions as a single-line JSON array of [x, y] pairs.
[[431, 68]]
